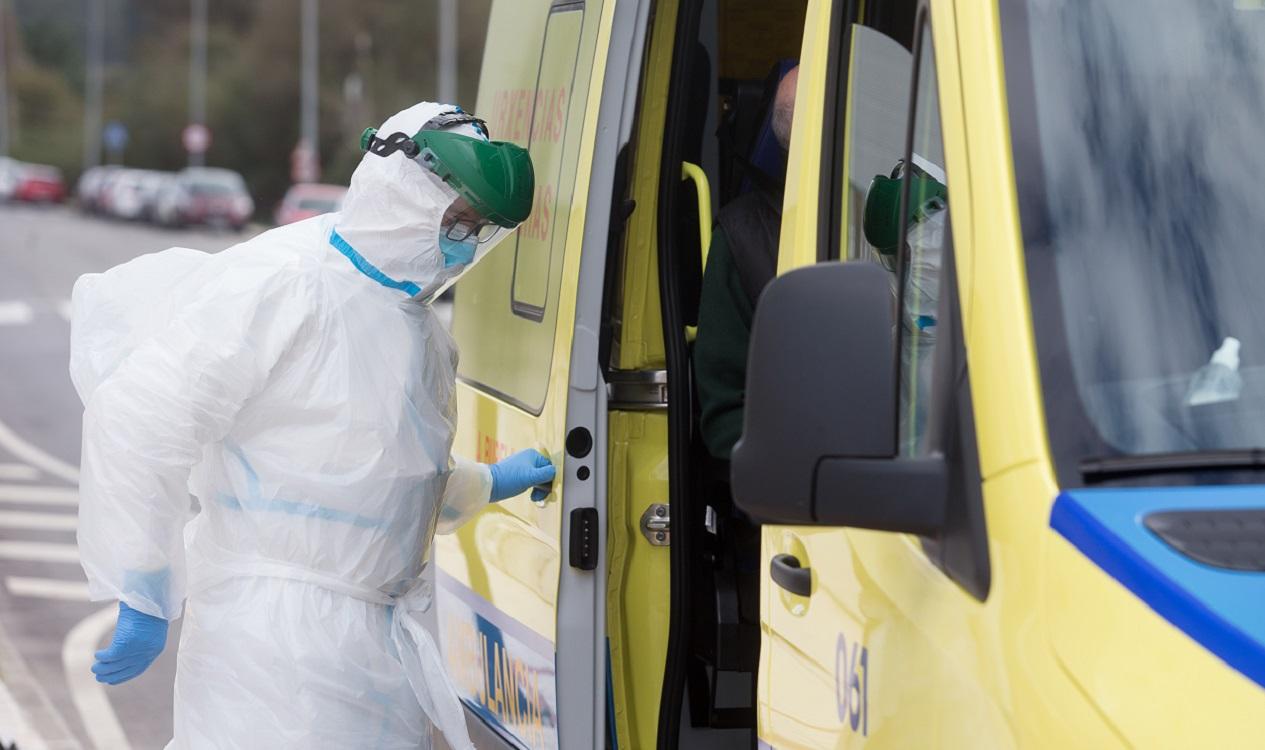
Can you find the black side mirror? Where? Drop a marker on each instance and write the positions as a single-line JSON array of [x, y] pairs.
[[819, 436]]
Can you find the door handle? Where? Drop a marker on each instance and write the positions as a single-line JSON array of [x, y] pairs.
[[787, 573]]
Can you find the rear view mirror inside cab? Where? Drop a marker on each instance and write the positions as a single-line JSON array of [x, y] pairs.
[[819, 437]]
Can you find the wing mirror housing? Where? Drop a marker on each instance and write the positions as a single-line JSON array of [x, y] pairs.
[[819, 433]]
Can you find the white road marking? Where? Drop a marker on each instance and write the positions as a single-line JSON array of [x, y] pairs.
[[20, 519], [30, 695], [17, 493], [15, 730], [15, 445], [15, 313], [18, 472], [63, 309], [38, 551], [47, 588], [88, 694]]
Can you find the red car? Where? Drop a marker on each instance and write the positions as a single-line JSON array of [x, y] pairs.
[[305, 200], [38, 183]]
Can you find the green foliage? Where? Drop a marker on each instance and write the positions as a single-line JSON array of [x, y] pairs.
[[253, 57], [48, 114]]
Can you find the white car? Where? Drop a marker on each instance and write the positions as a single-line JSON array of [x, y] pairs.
[[10, 172], [133, 192]]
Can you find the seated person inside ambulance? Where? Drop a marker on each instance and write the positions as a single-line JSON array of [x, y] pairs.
[[742, 259], [299, 386], [735, 277]]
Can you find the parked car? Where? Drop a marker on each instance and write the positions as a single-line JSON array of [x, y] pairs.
[[305, 200], [39, 183], [153, 185], [91, 187], [131, 193], [205, 195], [9, 169], [109, 186]]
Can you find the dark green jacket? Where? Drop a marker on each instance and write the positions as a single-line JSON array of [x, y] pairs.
[[720, 351], [741, 261]]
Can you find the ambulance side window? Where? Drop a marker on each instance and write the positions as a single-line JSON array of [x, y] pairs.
[[878, 104], [506, 311], [925, 240], [542, 238]]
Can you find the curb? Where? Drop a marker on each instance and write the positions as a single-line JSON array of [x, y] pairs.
[[25, 710]]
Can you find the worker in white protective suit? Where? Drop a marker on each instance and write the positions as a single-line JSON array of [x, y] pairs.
[[300, 387]]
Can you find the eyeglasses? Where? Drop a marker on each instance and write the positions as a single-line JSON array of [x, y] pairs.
[[461, 222], [464, 228]]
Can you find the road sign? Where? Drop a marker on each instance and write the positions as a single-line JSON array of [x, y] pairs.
[[196, 138], [114, 136]]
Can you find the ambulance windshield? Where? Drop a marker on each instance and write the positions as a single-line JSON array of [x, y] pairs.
[[1138, 130]]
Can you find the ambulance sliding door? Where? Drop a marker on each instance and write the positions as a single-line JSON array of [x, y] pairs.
[[497, 578]]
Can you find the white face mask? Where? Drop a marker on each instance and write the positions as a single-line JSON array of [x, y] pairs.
[[460, 256]]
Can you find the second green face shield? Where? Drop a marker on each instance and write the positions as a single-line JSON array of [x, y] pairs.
[[883, 222]]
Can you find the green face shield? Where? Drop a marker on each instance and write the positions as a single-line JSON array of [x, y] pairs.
[[882, 222], [495, 178]]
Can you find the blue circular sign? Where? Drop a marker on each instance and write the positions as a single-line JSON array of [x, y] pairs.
[[115, 136]]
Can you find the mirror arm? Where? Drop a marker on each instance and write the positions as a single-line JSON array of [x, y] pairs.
[[886, 494]]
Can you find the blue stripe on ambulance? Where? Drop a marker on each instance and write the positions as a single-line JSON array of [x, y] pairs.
[[1221, 609], [503, 671]]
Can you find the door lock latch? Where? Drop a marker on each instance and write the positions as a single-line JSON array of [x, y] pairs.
[[656, 525]]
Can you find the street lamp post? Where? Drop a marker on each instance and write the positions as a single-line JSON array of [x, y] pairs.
[[4, 87], [197, 74], [309, 127], [447, 51], [94, 84]]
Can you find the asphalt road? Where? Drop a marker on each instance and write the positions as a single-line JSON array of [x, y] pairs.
[[48, 628]]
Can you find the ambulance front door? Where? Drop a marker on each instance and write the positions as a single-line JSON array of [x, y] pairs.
[[868, 635]]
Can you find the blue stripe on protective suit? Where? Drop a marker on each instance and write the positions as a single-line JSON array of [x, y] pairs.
[[256, 502], [369, 269], [295, 508], [1221, 609]]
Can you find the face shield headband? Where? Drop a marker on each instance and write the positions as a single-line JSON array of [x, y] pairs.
[[463, 221]]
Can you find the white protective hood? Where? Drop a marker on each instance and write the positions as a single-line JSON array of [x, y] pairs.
[[310, 409], [392, 211]]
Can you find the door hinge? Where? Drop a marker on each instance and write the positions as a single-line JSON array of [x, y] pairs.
[[656, 525]]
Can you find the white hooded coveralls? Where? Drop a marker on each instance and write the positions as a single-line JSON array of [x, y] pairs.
[[303, 396]]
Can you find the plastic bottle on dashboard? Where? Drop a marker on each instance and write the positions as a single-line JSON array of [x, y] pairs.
[[1219, 380]]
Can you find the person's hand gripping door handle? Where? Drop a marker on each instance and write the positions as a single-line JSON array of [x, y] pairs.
[[527, 469], [787, 573]]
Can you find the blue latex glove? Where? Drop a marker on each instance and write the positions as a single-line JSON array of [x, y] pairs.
[[521, 471], [138, 640]]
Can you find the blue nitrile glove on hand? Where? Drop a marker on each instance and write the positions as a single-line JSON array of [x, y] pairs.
[[138, 640], [521, 471]]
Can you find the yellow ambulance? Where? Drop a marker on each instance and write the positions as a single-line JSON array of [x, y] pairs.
[[998, 482]]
